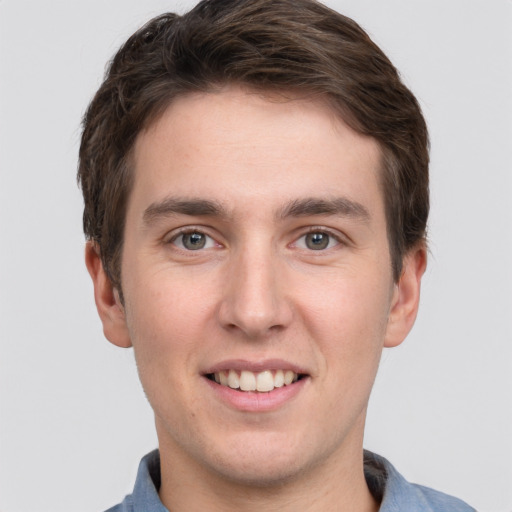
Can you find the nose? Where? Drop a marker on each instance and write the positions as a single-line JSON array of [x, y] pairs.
[[254, 301]]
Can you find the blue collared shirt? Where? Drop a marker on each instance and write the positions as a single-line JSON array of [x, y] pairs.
[[388, 487]]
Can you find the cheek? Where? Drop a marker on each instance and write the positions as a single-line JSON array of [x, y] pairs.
[[348, 317], [164, 319], [353, 354], [164, 306], [163, 332], [354, 306]]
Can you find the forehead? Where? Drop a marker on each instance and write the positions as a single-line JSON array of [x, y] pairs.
[[247, 145]]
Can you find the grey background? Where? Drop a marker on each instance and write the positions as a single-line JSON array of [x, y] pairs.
[[73, 419]]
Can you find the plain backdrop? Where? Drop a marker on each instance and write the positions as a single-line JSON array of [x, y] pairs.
[[74, 421]]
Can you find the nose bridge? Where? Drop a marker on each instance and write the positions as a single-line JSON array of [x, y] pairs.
[[253, 300]]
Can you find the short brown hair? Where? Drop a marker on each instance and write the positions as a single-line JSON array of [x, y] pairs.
[[288, 45]]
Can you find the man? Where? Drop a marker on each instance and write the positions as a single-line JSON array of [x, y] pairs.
[[255, 178]]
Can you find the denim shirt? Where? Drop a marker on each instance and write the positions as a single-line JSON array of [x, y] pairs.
[[388, 487]]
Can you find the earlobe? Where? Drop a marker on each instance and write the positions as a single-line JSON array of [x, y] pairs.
[[107, 300], [406, 296]]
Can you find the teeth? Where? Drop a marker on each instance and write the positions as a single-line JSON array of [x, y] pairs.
[[279, 379], [223, 378], [288, 377], [265, 381], [233, 379], [248, 381]]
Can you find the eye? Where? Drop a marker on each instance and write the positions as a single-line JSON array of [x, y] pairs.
[[193, 241], [317, 241]]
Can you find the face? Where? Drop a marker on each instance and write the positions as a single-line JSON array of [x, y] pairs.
[[257, 282]]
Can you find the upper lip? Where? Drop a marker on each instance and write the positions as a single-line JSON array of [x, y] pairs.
[[255, 366]]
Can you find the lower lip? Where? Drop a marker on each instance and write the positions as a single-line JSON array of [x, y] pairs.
[[254, 401]]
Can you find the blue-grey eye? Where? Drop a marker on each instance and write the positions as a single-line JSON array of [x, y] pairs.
[[317, 241], [193, 241]]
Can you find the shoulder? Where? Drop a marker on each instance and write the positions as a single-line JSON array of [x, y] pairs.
[[145, 492], [439, 501], [396, 494], [125, 506]]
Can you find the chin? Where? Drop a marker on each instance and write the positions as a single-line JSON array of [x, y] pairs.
[[268, 463], [264, 475]]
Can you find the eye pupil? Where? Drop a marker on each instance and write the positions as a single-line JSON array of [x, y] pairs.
[[317, 241], [194, 241]]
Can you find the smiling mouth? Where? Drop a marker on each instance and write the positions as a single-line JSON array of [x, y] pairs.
[[262, 382]]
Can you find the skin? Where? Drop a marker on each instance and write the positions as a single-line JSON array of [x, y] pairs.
[[256, 292]]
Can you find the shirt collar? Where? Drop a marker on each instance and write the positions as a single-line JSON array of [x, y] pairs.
[[145, 493]]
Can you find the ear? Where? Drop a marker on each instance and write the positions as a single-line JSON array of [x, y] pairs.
[[406, 297], [107, 299]]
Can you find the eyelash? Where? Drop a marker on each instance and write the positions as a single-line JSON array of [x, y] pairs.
[[324, 231], [189, 231], [312, 230]]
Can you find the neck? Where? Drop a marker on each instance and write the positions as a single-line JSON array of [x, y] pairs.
[[331, 485]]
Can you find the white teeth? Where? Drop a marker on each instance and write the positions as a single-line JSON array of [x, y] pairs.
[[265, 381], [223, 378], [288, 377], [279, 379], [249, 381], [233, 379]]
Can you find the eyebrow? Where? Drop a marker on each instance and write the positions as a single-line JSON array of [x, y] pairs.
[[311, 206], [175, 206]]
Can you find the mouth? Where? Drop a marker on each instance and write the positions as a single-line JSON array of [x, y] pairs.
[[260, 382]]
